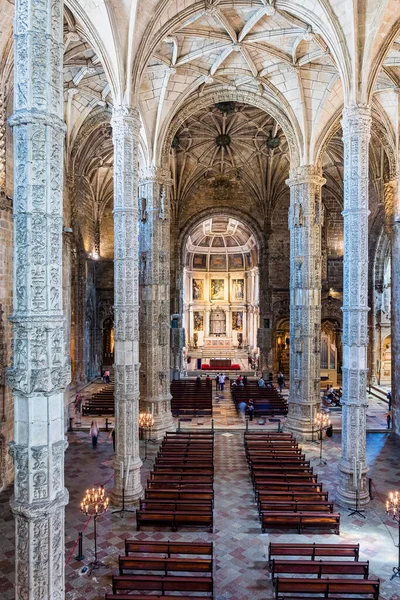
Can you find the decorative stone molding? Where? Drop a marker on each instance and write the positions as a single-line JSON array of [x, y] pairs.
[[356, 125], [40, 370], [126, 127], [155, 298], [305, 222]]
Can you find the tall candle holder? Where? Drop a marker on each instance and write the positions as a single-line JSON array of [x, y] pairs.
[[322, 422], [146, 422], [94, 504], [393, 509]]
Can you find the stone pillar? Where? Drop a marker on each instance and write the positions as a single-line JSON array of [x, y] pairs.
[[356, 125], [39, 371], [126, 126], [305, 222], [3, 121], [155, 299], [395, 319]]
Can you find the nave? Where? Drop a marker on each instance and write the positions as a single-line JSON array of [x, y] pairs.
[[240, 550]]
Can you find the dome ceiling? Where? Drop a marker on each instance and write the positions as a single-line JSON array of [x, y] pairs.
[[221, 243]]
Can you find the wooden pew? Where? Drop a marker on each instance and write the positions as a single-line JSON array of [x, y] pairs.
[[328, 587], [300, 521], [319, 567], [314, 550], [174, 505], [158, 563], [183, 494], [175, 519], [296, 506], [162, 583], [169, 548]]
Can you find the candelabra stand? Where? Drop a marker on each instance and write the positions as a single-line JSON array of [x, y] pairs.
[[146, 422], [94, 504], [393, 509], [322, 422], [357, 474]]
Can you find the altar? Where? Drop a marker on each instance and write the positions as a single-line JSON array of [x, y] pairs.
[[218, 343]]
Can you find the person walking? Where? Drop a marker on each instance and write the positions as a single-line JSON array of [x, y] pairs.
[[389, 397], [107, 376], [281, 381], [217, 382], [242, 410], [221, 382], [94, 432]]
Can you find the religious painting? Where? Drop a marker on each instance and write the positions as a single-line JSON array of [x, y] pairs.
[[238, 289], [235, 262], [198, 321], [218, 262], [217, 289], [237, 320], [200, 261], [198, 289]]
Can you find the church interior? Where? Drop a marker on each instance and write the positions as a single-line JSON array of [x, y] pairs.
[[199, 323]]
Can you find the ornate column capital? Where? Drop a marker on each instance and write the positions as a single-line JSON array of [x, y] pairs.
[[309, 174], [356, 120], [154, 174], [125, 115]]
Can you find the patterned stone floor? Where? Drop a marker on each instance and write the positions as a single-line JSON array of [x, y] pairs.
[[240, 569]]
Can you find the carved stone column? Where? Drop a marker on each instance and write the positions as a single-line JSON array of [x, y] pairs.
[[305, 222], [3, 121], [39, 371], [155, 298], [126, 126], [356, 125]]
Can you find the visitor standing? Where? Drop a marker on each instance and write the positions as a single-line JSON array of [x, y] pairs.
[[221, 382], [94, 433], [389, 397], [250, 409], [281, 381], [217, 382], [107, 376]]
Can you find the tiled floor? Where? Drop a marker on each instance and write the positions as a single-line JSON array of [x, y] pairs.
[[240, 568]]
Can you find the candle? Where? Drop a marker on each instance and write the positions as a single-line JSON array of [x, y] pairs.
[[122, 471], [152, 408]]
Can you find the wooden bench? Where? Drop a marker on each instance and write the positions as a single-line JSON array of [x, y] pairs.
[[188, 494], [151, 597], [174, 519], [314, 550], [300, 521], [291, 486], [319, 568], [162, 583], [168, 548], [179, 484], [328, 587], [268, 496], [296, 506], [157, 563], [192, 505]]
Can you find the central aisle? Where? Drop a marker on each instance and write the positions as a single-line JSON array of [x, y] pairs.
[[239, 548]]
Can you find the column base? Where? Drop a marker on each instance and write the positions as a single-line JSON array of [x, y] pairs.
[[346, 493], [134, 490], [163, 419], [303, 432]]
